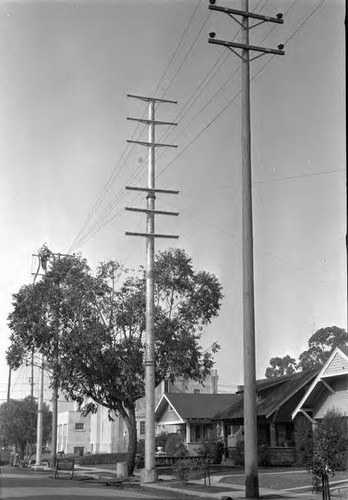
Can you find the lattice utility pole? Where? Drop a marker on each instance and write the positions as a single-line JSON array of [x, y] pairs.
[[149, 474], [250, 410]]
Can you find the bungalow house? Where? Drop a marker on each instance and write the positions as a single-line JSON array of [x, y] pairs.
[[276, 400], [190, 416], [328, 390]]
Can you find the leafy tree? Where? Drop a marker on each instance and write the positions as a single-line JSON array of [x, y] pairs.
[[18, 423], [281, 366], [91, 328], [328, 446], [320, 346]]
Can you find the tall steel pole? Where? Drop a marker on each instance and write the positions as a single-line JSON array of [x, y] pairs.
[[150, 471], [250, 412]]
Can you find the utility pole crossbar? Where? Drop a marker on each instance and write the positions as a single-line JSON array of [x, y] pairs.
[[152, 144], [250, 406], [252, 15], [152, 190], [147, 211], [148, 122], [246, 47], [152, 235], [149, 473], [151, 99]]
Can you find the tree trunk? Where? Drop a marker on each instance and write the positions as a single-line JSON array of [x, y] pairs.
[[130, 421]]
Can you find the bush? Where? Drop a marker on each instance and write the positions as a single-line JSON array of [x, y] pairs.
[[328, 446], [212, 451], [303, 436], [174, 446], [182, 469]]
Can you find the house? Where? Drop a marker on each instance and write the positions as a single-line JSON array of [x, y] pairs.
[[328, 390], [277, 398], [191, 416]]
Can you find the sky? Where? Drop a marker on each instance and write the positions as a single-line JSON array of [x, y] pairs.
[[66, 70]]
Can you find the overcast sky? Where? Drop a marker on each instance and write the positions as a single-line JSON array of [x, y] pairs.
[[66, 70]]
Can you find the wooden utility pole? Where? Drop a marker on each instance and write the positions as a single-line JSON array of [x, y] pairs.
[[250, 408], [149, 474]]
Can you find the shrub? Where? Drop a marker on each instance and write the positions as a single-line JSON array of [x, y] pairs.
[[174, 445], [327, 449], [182, 469], [303, 436]]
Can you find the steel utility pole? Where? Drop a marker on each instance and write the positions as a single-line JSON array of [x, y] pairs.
[[250, 409], [149, 474]]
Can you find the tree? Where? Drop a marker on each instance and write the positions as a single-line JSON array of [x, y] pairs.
[[281, 366], [320, 346], [328, 446], [18, 424], [91, 328]]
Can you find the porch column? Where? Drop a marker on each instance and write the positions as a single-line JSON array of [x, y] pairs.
[[188, 432], [273, 437]]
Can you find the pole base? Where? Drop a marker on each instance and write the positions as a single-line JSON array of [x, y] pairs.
[[148, 476]]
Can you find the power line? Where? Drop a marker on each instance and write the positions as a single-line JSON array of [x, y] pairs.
[[101, 223], [193, 98]]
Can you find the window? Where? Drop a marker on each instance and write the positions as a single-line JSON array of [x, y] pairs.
[[79, 426], [196, 391], [142, 427]]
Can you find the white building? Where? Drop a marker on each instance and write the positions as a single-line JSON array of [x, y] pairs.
[[96, 433]]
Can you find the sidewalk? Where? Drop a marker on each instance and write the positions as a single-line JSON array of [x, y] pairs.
[[220, 489]]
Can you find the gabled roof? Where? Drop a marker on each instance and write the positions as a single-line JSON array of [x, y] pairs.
[[272, 394], [190, 406], [335, 366]]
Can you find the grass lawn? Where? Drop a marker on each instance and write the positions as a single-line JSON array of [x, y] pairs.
[[283, 479]]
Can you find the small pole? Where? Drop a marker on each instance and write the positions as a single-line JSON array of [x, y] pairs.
[[9, 384], [40, 414], [32, 375]]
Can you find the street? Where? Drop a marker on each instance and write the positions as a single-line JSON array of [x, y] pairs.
[[23, 483]]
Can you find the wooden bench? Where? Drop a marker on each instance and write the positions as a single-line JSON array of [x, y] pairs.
[[65, 464]]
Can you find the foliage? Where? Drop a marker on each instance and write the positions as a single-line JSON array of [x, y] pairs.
[[281, 366], [161, 439], [303, 440], [182, 469], [327, 449], [212, 449], [91, 328], [18, 424], [320, 346], [174, 445]]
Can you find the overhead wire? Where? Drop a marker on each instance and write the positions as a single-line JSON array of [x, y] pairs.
[[256, 74], [221, 60], [103, 223], [116, 171]]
